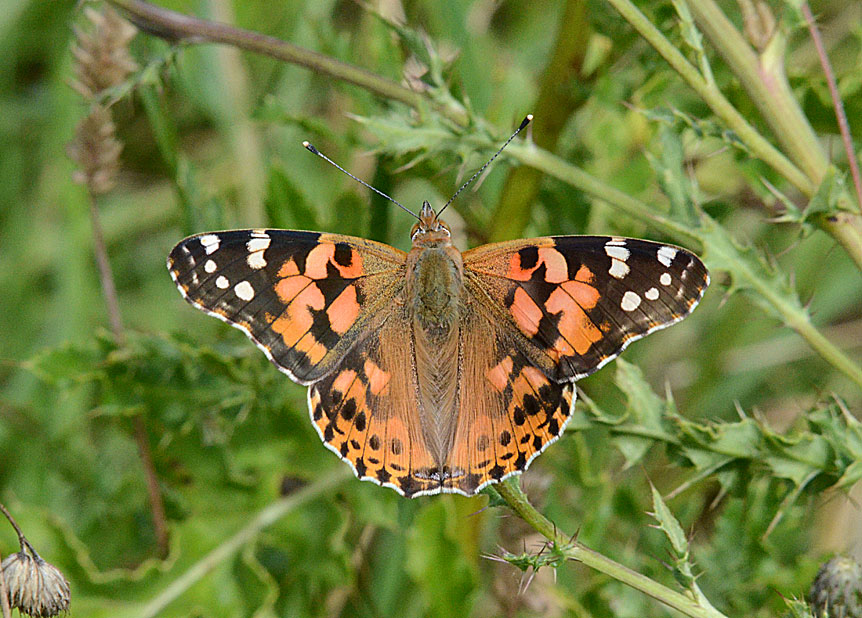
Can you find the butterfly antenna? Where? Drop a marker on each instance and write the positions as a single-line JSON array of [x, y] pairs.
[[314, 150], [524, 123]]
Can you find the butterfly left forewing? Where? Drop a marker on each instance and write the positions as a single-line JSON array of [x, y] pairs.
[[574, 303]]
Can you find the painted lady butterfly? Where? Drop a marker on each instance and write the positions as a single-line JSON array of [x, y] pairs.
[[437, 371]]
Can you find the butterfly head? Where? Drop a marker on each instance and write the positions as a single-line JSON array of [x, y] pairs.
[[429, 229]]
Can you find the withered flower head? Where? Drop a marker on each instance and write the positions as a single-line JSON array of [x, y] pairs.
[[837, 589], [35, 587], [96, 151], [102, 58]]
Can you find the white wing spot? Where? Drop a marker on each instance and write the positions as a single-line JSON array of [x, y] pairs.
[[255, 260], [195, 280], [619, 269], [631, 301], [651, 294], [244, 290], [210, 243], [210, 266], [222, 283], [616, 240], [665, 279], [257, 243], [617, 252], [665, 255], [256, 246]]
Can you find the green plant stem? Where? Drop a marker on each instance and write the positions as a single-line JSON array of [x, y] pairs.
[[265, 518], [765, 81], [178, 26], [511, 492], [712, 96]]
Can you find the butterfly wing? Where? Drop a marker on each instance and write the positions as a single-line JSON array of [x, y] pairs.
[[540, 314], [367, 411], [509, 411], [576, 302], [304, 298]]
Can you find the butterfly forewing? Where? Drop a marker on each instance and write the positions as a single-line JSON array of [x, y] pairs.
[[303, 297], [578, 301]]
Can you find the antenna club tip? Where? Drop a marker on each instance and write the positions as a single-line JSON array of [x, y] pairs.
[[307, 145], [527, 119]]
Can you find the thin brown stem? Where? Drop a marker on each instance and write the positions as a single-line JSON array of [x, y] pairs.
[[106, 276], [172, 25], [840, 114], [109, 291], [160, 520], [21, 538]]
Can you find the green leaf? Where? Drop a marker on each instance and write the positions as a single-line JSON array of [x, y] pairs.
[[645, 410], [669, 524]]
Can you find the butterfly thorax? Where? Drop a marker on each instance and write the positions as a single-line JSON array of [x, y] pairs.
[[433, 300]]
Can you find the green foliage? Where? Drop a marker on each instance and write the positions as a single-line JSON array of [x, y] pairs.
[[744, 417]]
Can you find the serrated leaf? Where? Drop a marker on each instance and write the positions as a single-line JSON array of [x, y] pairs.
[[671, 176], [669, 524], [796, 458], [68, 362], [645, 409]]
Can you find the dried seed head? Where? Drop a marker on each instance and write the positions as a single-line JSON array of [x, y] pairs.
[[35, 587], [96, 151], [837, 589], [102, 58]]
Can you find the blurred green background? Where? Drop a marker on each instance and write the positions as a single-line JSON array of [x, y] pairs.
[[212, 139]]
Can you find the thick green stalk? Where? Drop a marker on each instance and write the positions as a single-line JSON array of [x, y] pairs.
[[511, 492], [765, 81], [554, 106], [712, 96]]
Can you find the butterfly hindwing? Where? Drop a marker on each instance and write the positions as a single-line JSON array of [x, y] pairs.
[[509, 411], [367, 412], [576, 302], [303, 297]]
